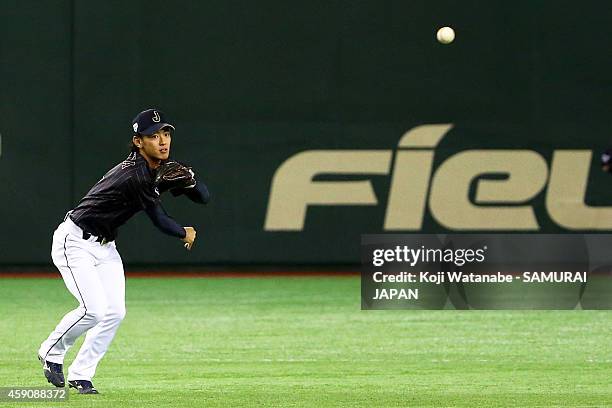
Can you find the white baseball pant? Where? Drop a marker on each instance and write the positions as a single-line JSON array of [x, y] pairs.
[[93, 273]]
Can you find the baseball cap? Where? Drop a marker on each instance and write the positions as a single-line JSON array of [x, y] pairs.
[[150, 121]]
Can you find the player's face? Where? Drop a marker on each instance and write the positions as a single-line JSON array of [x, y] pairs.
[[157, 145]]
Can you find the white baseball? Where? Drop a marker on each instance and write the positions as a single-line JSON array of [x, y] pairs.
[[445, 35]]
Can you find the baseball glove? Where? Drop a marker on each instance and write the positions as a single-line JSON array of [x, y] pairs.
[[174, 175]]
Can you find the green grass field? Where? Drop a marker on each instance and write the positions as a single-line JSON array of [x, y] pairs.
[[304, 342]]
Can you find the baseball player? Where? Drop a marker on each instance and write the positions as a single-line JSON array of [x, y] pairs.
[[85, 253]]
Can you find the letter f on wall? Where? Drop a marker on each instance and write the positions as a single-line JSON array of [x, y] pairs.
[[293, 188]]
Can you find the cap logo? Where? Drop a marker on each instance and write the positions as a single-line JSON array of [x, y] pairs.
[[135, 126], [156, 117]]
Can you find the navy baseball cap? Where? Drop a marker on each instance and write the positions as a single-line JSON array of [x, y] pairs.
[[150, 121]]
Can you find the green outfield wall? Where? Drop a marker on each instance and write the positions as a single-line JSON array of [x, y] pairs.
[[311, 122]]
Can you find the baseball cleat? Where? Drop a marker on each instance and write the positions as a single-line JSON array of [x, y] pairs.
[[53, 372], [83, 386]]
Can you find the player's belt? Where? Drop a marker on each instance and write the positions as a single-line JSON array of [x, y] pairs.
[[84, 234], [87, 236]]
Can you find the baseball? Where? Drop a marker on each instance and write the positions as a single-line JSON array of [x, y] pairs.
[[445, 35]]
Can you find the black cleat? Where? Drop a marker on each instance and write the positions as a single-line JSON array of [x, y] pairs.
[[83, 386], [53, 372]]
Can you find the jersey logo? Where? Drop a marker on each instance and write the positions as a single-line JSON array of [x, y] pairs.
[[130, 161], [156, 191], [156, 117]]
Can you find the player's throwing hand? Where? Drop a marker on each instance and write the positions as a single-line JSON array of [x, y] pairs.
[[190, 236]]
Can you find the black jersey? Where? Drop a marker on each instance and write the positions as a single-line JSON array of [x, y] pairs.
[[126, 189]]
